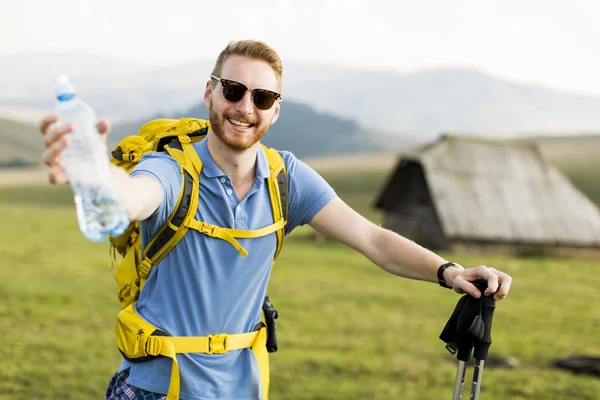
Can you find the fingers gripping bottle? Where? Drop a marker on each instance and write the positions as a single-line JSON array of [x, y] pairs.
[[86, 163]]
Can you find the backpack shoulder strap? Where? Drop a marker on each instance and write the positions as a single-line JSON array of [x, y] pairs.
[[174, 228], [278, 191]]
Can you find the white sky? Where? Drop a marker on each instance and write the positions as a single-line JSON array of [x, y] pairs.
[[554, 43]]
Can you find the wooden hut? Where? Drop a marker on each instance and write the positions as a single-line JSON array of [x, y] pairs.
[[463, 192]]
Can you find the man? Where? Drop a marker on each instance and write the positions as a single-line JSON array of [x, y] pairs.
[[217, 290]]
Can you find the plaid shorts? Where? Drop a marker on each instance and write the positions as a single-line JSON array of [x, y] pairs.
[[118, 389]]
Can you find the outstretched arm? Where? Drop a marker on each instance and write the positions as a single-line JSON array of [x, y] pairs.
[[399, 255]]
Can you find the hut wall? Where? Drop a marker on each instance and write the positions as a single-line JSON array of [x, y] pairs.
[[409, 207]]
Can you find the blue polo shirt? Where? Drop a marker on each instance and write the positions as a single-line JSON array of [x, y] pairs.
[[204, 285]]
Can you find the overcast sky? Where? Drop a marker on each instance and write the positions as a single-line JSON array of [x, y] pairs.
[[554, 43]]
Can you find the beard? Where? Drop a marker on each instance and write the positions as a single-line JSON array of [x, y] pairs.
[[235, 140]]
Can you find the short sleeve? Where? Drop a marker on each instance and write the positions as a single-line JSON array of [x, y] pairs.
[[308, 192], [164, 169]]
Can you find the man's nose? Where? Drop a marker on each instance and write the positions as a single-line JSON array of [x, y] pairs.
[[245, 105]]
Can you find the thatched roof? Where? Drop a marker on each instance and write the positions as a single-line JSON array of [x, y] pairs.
[[505, 192]]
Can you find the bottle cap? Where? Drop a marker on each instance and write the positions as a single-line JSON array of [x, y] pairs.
[[64, 89]]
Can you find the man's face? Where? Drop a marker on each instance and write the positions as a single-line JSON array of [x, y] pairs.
[[241, 125]]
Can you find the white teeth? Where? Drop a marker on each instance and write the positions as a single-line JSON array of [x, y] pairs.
[[239, 123]]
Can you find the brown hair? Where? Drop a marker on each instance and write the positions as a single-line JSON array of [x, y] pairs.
[[251, 49]]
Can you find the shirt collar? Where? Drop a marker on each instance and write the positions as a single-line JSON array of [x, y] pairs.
[[211, 170]]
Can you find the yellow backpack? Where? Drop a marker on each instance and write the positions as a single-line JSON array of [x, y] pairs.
[[139, 341]]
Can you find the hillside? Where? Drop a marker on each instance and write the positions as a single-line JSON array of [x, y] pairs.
[[299, 129], [579, 158], [569, 147], [21, 144]]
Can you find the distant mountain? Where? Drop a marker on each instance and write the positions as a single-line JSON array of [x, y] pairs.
[[420, 104], [299, 129], [428, 102], [116, 89]]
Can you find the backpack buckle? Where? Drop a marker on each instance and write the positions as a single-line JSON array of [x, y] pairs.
[[144, 269], [208, 229], [153, 346], [217, 344]]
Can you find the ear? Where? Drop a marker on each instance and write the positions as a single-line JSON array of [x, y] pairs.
[[207, 95], [276, 112]]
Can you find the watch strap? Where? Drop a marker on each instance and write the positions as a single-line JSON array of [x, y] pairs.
[[440, 273]]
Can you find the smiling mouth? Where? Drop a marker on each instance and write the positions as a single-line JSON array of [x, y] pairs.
[[241, 124]]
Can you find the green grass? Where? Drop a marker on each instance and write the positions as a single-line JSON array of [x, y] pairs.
[[347, 329], [376, 335], [359, 189]]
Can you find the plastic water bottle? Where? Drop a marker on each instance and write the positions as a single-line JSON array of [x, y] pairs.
[[85, 159]]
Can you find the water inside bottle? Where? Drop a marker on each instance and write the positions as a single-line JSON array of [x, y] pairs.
[[98, 215]]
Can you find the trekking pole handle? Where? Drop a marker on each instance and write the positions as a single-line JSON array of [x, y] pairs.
[[464, 341], [487, 314], [481, 285]]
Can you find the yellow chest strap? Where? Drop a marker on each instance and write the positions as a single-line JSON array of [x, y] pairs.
[[230, 235]]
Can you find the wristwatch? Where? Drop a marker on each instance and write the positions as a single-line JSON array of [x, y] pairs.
[[442, 268]]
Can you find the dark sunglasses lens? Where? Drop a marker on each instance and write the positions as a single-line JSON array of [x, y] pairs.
[[233, 91], [263, 99]]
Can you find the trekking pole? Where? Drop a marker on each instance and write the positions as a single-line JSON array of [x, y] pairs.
[[457, 344], [470, 327], [482, 346], [464, 354]]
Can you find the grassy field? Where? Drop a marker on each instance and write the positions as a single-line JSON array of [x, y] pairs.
[[347, 329]]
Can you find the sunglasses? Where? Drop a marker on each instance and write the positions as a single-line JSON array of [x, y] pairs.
[[234, 91]]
